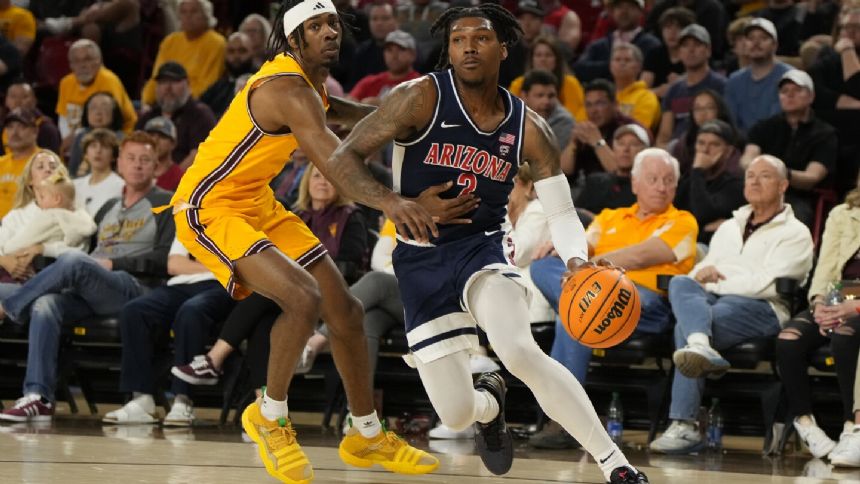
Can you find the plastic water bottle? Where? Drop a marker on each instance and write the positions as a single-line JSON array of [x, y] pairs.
[[615, 419], [834, 294], [715, 426]]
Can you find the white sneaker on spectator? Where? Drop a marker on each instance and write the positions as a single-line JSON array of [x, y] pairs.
[[59, 25], [443, 432], [697, 360], [818, 442], [306, 361], [680, 438], [847, 452], [482, 364], [181, 415], [130, 413]]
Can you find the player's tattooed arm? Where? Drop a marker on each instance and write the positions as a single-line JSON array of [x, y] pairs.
[[541, 148], [347, 112]]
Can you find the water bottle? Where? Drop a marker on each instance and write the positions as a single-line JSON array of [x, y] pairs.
[[834, 294], [715, 426], [615, 419]]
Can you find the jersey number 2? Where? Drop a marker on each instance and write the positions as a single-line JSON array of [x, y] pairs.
[[469, 183]]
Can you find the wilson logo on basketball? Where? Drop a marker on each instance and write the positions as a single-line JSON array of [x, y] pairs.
[[590, 295], [616, 311]]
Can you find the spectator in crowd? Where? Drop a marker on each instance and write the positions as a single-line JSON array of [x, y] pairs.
[[530, 17], [17, 25], [197, 47], [612, 189], [540, 95], [88, 77], [751, 92], [737, 57], [336, 221], [100, 148], [20, 95], [193, 119], [650, 237], [712, 189], [286, 184], [562, 23], [237, 61], [698, 76], [76, 286], [58, 224], [709, 13], [730, 296], [399, 54], [634, 98], [100, 111], [627, 14], [167, 172], [707, 105], [16, 266], [589, 136], [837, 94], [546, 55], [786, 18], [416, 17], [807, 331], [807, 144], [258, 29], [189, 305], [369, 56], [663, 65], [20, 127], [10, 63]]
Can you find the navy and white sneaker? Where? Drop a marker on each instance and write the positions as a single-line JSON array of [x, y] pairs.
[[493, 440]]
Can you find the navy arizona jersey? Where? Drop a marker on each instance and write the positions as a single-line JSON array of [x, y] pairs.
[[452, 148]]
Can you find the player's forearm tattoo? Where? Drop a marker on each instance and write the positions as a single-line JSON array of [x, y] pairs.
[[544, 156]]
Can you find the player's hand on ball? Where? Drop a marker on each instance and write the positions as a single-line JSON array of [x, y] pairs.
[[447, 210], [411, 219], [574, 265]]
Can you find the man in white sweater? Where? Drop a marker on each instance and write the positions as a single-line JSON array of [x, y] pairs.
[[730, 296]]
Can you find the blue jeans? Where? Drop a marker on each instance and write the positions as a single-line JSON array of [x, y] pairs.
[[546, 274], [72, 288], [728, 320], [189, 309]]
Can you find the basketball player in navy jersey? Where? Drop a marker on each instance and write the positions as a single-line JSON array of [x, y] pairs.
[[458, 125]]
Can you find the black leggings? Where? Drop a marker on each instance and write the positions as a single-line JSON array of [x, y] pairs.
[[792, 358], [252, 319]]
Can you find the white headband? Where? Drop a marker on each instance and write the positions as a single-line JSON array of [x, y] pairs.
[[297, 15]]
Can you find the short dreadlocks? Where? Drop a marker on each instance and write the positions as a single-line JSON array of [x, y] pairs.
[[506, 26]]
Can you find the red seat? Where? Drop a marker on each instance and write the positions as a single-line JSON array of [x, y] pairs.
[[53, 62]]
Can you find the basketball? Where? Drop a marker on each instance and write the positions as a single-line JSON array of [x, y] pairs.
[[599, 307]]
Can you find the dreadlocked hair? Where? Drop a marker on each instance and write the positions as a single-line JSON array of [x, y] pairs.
[[278, 43], [507, 28]]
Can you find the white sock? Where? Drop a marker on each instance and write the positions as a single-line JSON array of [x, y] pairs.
[[273, 409], [486, 406], [699, 339], [145, 401], [369, 425], [611, 460]]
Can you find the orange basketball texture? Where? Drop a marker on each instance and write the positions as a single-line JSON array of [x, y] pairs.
[[599, 307]]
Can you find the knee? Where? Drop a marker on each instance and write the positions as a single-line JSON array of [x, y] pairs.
[[518, 356], [349, 317], [302, 301], [190, 315], [788, 345], [456, 417]]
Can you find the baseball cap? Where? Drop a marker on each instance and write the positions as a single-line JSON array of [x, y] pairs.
[[799, 77], [530, 6], [719, 128], [697, 32], [172, 71], [162, 126], [634, 129], [638, 3], [401, 38], [24, 116], [763, 24]]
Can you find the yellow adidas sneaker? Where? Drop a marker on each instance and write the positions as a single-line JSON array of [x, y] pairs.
[[387, 450], [276, 441]]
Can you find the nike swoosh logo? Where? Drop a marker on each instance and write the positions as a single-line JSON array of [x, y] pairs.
[[603, 461], [491, 232], [446, 125]]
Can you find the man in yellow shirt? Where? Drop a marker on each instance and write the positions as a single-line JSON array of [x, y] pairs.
[[196, 47], [20, 126], [633, 96], [88, 77], [17, 25]]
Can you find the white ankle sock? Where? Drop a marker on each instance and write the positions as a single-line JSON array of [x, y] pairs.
[[146, 402], [487, 407], [369, 425], [611, 460], [699, 339], [273, 409]]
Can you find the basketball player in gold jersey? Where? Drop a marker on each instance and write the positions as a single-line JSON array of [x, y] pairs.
[[228, 218]]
